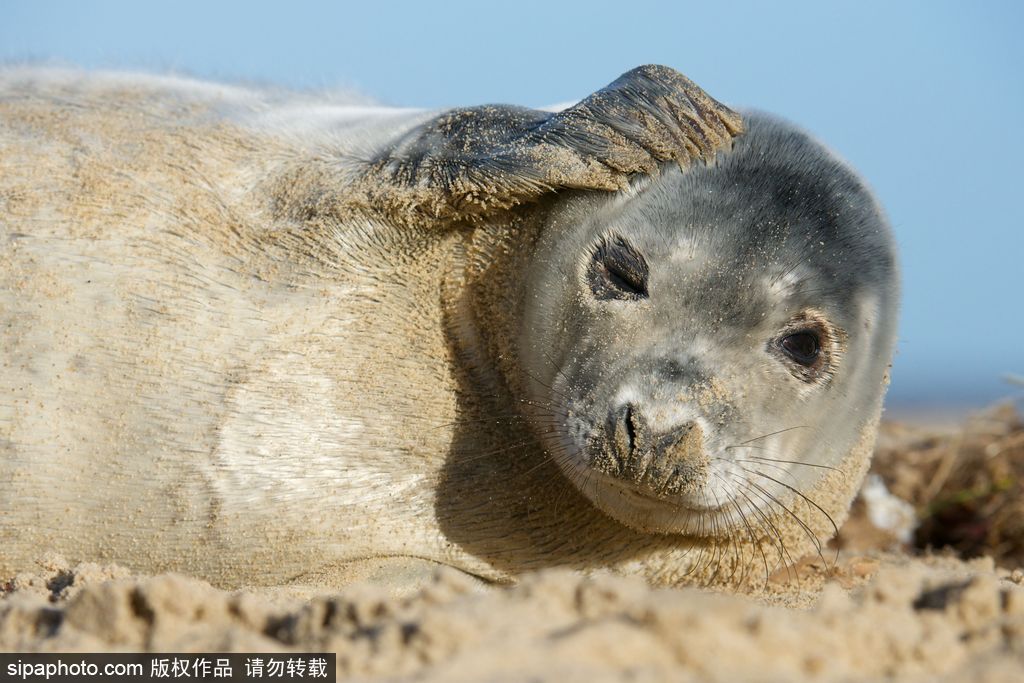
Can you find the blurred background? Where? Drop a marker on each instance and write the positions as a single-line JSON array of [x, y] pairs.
[[926, 99]]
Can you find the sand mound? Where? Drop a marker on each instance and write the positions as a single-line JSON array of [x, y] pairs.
[[913, 619]]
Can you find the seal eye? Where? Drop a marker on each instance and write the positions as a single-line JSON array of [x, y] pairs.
[[803, 347], [617, 271]]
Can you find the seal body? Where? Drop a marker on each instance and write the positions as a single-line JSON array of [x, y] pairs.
[[263, 338]]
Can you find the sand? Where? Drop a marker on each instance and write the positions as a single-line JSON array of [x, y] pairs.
[[886, 610]]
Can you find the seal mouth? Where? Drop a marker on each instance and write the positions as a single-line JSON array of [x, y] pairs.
[[693, 501], [698, 513]]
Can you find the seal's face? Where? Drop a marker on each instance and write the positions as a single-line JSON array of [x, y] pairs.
[[705, 348]]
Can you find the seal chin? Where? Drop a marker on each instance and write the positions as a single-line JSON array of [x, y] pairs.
[[693, 513]]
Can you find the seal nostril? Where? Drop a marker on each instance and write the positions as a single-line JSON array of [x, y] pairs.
[[624, 427], [630, 427]]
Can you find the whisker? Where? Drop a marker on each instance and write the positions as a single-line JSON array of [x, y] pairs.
[[714, 546], [835, 527], [793, 462], [778, 467], [546, 386], [753, 537], [544, 460], [765, 436], [496, 419], [772, 530], [807, 530], [737, 554], [474, 455], [803, 525]]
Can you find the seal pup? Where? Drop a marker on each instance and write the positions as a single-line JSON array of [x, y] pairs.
[[261, 338]]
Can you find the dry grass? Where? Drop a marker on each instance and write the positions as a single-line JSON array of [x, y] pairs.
[[966, 486]]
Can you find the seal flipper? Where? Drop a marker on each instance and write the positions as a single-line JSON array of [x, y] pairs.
[[466, 163]]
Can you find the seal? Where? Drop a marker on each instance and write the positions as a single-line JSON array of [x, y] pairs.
[[263, 337]]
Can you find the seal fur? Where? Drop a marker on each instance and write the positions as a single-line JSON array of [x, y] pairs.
[[258, 348]]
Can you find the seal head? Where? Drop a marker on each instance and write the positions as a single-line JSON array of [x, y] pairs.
[[702, 349]]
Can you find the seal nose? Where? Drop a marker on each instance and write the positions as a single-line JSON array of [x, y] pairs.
[[631, 434], [664, 462]]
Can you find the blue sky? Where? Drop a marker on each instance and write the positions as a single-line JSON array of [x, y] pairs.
[[926, 99]]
